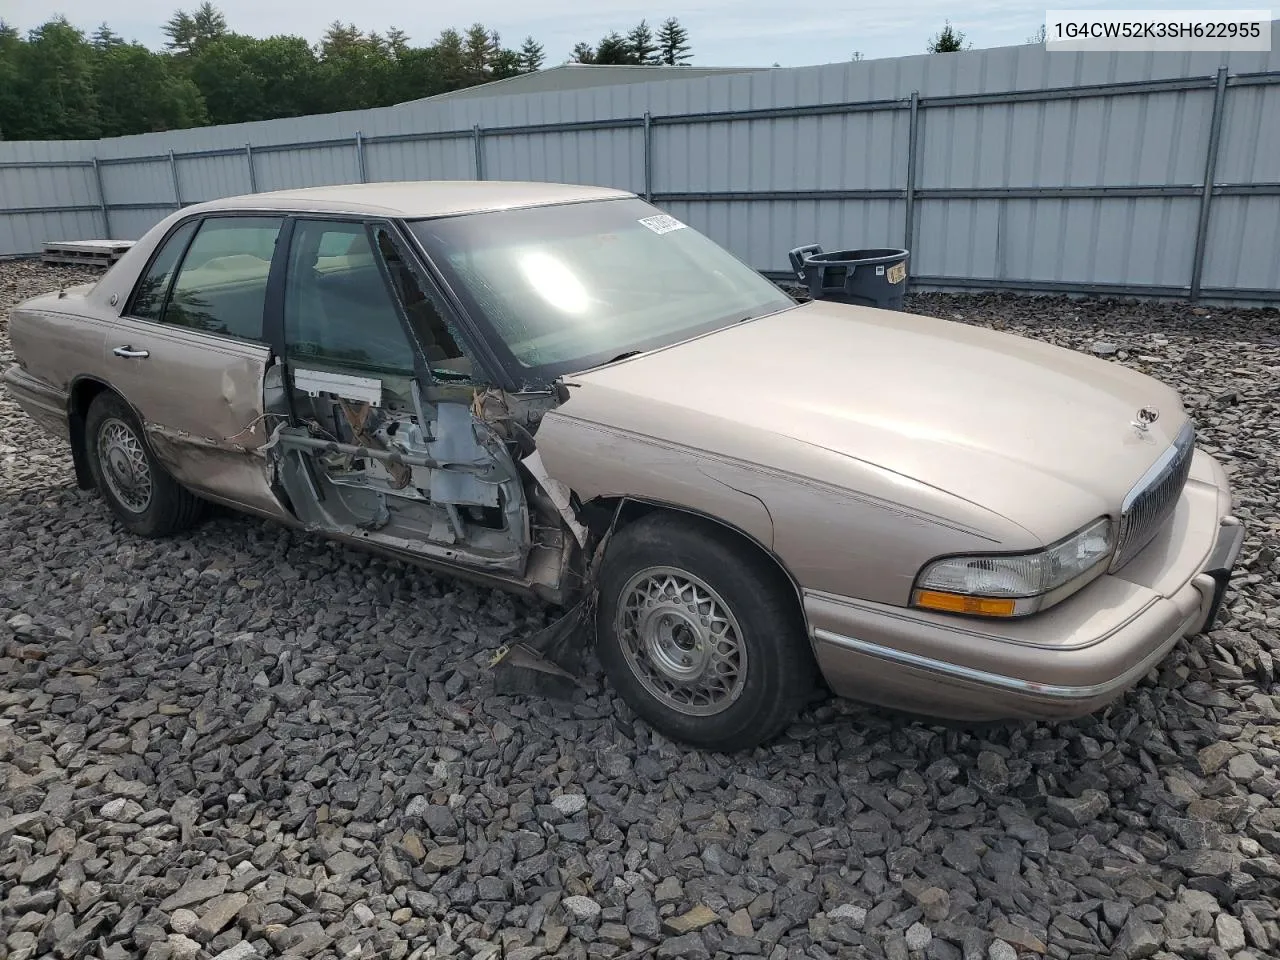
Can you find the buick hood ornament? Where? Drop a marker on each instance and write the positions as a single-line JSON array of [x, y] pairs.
[[1146, 417]]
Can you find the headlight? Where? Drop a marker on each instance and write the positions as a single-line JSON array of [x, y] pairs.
[[1013, 585]]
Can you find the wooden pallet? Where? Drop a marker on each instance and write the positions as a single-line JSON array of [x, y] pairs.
[[87, 253]]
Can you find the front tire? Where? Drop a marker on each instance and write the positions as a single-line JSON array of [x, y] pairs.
[[143, 497], [700, 634]]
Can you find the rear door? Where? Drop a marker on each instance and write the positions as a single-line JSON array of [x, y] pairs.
[[189, 354]]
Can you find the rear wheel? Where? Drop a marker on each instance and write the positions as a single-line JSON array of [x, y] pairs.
[[143, 497], [701, 635]]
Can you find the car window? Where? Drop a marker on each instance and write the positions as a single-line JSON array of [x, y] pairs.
[[221, 286], [568, 286], [148, 296], [338, 307], [429, 320]]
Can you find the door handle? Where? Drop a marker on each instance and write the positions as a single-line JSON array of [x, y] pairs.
[[131, 354]]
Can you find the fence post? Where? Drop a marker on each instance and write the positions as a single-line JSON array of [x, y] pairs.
[[360, 156], [177, 187], [253, 176], [476, 140], [913, 139], [648, 156], [102, 200], [1206, 194]]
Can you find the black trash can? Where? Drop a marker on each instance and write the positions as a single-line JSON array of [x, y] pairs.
[[872, 278]]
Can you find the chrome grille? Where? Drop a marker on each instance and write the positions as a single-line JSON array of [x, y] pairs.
[[1148, 505]]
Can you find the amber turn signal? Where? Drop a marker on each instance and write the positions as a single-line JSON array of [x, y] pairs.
[[960, 603]]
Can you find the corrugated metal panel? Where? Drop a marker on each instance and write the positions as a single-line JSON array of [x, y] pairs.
[[761, 233], [207, 178], [967, 153], [149, 181], [132, 224], [606, 158], [315, 167], [1244, 244], [430, 160]]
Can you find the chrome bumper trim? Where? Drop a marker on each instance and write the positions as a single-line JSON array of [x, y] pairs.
[[1001, 681]]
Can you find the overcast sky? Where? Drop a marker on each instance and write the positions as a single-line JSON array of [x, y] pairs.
[[722, 32]]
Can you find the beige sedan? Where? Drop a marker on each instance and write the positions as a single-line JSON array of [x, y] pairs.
[[564, 391]]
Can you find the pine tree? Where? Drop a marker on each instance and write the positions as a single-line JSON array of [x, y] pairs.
[[476, 53], [104, 38], [673, 43], [641, 46], [531, 55], [948, 40], [397, 42], [584, 53], [187, 31], [613, 50], [450, 59], [340, 39]]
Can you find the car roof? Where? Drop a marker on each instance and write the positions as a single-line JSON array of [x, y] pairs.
[[415, 198]]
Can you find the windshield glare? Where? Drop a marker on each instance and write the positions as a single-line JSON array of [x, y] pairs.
[[571, 286]]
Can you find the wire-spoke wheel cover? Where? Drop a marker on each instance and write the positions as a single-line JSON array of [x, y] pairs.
[[125, 467], [681, 641]]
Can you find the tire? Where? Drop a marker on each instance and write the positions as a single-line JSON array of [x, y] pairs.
[[143, 497], [672, 590]]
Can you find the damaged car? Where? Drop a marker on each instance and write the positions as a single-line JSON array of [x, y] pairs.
[[566, 392]]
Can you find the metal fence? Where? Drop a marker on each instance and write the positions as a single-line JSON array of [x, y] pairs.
[[1002, 169]]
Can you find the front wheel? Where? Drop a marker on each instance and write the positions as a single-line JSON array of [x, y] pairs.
[[700, 634]]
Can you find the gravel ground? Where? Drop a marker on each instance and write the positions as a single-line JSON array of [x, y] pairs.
[[249, 742]]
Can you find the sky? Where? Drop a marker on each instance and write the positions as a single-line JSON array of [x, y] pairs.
[[721, 32]]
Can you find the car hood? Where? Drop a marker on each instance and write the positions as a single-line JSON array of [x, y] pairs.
[[1040, 435]]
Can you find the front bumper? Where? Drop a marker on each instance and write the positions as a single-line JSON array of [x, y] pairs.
[[1067, 661]]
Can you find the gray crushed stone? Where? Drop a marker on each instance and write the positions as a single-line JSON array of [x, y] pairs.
[[244, 742]]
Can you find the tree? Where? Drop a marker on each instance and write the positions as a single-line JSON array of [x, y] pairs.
[[355, 71], [397, 42], [476, 52], [57, 82], [641, 46], [288, 75], [505, 63], [673, 43], [451, 61], [220, 70], [857, 56], [531, 55], [11, 48], [613, 49], [54, 86], [188, 31], [1038, 36], [139, 92], [340, 39], [948, 40], [104, 38]]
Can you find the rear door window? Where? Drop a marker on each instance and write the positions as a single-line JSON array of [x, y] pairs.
[[153, 288], [221, 287]]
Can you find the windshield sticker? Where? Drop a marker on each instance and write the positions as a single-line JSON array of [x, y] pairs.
[[662, 224]]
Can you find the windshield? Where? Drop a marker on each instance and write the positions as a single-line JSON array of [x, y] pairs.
[[572, 286]]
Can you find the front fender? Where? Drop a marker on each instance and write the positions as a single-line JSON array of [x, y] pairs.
[[826, 536], [600, 462]]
